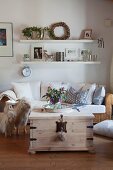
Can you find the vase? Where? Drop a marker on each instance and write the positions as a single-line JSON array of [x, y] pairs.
[[35, 35], [54, 100]]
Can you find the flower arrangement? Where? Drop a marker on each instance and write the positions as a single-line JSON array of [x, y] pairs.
[[54, 96]]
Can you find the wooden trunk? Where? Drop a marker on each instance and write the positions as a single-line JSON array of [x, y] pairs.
[[45, 135]]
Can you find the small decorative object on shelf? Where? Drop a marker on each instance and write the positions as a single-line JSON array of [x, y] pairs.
[[66, 34], [26, 57], [87, 55], [48, 57], [86, 34], [101, 43], [70, 54], [60, 56]]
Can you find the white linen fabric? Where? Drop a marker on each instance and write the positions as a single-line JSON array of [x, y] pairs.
[[92, 108], [104, 128], [23, 90], [8, 93], [35, 89]]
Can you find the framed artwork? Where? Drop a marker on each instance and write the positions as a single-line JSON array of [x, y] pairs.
[[70, 54], [87, 34], [6, 39], [37, 52]]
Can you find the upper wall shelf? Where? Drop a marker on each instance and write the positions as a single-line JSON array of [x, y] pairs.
[[59, 41]]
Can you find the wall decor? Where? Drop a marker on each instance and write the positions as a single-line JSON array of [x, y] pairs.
[[66, 30], [26, 57], [87, 34], [36, 52], [6, 39], [26, 71], [70, 54]]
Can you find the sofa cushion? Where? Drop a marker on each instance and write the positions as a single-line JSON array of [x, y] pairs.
[[70, 95], [35, 89], [77, 86], [81, 97], [23, 90], [99, 95], [104, 128], [91, 88]]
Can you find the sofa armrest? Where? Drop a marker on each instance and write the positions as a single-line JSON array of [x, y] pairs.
[[108, 114], [9, 94], [108, 104], [6, 95]]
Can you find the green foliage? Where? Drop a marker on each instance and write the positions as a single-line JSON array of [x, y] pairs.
[[54, 95], [28, 31]]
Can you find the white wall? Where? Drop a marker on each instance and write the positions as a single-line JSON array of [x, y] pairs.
[[78, 14]]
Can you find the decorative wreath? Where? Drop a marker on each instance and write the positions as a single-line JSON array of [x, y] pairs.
[[66, 31]]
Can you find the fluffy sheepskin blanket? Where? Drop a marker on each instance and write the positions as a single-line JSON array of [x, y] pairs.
[[14, 116]]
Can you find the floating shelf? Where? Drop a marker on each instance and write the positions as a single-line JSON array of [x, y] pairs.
[[59, 41], [64, 62]]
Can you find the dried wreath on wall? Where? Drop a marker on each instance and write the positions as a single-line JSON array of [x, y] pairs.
[[66, 29]]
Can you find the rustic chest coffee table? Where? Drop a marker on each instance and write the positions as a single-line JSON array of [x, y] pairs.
[[61, 131]]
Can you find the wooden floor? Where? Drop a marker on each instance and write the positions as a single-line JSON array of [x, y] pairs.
[[14, 156]]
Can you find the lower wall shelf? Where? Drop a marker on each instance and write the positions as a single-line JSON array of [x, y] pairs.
[[64, 62]]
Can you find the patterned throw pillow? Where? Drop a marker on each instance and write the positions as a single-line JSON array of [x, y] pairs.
[[77, 97], [99, 95], [70, 95], [81, 97]]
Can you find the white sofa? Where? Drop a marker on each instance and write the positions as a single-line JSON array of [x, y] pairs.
[[34, 91]]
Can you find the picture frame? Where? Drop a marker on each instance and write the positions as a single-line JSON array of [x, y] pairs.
[[87, 34], [6, 39], [70, 54], [37, 52]]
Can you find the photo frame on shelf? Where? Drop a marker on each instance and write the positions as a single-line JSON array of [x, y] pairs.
[[37, 52], [87, 34], [6, 39], [70, 54]]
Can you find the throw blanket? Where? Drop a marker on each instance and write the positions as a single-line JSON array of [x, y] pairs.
[[77, 106], [8, 93]]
